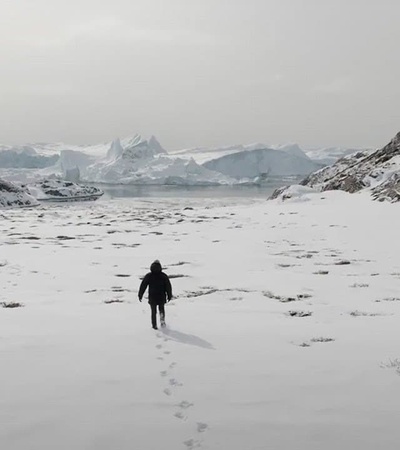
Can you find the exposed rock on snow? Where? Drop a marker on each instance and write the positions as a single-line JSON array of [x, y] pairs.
[[329, 175], [63, 191], [377, 172], [12, 195], [389, 190], [294, 192]]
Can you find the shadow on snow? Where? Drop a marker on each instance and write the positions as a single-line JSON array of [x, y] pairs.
[[188, 339]]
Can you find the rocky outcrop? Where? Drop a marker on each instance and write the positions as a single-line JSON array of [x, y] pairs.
[[294, 192], [378, 172], [390, 190], [332, 174], [63, 191], [12, 196]]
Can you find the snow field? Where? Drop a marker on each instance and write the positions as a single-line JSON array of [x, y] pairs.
[[284, 318]]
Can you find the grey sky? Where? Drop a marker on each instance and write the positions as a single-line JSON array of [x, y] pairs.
[[200, 72]]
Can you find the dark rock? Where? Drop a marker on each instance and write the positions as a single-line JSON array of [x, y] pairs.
[[361, 170]]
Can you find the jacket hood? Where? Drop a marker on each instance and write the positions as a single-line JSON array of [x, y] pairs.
[[156, 267]]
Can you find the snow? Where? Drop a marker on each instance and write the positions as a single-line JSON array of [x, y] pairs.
[[234, 369], [12, 196], [58, 190], [377, 172], [294, 192]]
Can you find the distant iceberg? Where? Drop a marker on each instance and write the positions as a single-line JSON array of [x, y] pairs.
[[136, 160]]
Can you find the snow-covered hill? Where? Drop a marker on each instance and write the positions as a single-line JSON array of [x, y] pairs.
[[12, 195], [377, 172]]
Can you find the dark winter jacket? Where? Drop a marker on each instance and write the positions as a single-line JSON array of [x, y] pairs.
[[159, 285]]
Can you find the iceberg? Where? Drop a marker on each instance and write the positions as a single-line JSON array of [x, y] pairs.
[[135, 160]]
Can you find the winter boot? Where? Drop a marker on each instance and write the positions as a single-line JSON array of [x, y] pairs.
[[162, 320]]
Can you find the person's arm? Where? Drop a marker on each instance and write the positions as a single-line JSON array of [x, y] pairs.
[[143, 286], [168, 287]]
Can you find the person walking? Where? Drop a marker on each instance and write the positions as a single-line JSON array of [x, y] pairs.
[[160, 291]]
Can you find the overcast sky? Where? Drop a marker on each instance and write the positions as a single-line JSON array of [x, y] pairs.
[[200, 72]]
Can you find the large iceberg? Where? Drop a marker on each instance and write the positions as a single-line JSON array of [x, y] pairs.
[[253, 163], [136, 160], [25, 157]]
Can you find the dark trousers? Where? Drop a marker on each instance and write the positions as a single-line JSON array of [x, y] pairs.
[[154, 313]]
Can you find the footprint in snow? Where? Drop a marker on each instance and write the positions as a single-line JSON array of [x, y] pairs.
[[191, 444], [174, 382], [184, 404], [202, 427], [180, 415], [167, 391], [163, 373]]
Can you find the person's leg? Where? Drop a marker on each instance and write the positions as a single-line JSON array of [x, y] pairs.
[[153, 315], [162, 313]]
